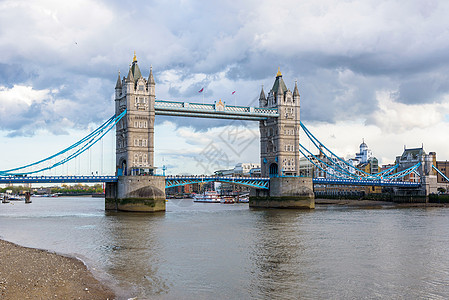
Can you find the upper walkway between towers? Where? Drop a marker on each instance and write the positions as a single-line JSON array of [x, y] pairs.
[[218, 110]]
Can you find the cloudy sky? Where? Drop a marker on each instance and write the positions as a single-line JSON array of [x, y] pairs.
[[376, 70]]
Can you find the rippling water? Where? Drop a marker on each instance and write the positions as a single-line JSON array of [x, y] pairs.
[[205, 251]]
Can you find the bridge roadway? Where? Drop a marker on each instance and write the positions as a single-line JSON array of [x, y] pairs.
[[56, 179], [379, 182], [171, 181]]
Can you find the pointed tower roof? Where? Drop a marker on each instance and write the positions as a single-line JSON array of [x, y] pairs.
[[262, 95], [134, 70], [151, 78], [130, 76], [279, 85], [295, 91], [118, 85]]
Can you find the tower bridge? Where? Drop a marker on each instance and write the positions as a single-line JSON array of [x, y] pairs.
[[135, 187], [278, 115]]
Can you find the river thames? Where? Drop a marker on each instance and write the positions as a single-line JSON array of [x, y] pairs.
[[222, 251]]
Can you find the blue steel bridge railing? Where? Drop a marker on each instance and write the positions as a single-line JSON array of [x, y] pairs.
[[358, 182], [255, 182], [56, 179]]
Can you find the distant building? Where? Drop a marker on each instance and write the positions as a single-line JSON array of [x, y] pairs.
[[443, 166], [411, 157], [240, 169], [244, 169], [364, 155]]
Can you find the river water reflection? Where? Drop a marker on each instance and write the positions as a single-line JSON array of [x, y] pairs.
[[216, 251]]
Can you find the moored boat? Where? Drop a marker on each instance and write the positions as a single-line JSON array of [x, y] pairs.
[[227, 200], [207, 197], [243, 200]]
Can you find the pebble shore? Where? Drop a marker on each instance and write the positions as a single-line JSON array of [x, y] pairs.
[[27, 273]]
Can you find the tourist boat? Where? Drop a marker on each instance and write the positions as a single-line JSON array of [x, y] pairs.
[[244, 200], [207, 197], [227, 200]]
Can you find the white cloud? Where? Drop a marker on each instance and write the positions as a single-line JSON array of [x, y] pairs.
[[392, 116], [20, 95], [52, 29]]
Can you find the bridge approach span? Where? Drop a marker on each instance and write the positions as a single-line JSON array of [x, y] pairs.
[[254, 182], [57, 179], [172, 181]]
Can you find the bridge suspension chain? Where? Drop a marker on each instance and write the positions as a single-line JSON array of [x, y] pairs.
[[336, 167], [68, 153]]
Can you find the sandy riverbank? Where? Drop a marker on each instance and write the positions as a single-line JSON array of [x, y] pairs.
[[27, 273], [374, 204]]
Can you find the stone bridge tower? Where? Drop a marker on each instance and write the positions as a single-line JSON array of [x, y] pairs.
[[135, 131], [279, 137], [279, 142], [137, 189]]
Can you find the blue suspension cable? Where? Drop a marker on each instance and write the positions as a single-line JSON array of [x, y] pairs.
[[64, 150], [91, 139], [328, 166], [313, 139]]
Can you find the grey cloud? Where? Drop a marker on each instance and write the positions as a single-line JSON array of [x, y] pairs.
[[210, 38], [424, 89]]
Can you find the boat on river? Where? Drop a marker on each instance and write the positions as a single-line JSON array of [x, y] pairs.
[[207, 197], [227, 200], [244, 199]]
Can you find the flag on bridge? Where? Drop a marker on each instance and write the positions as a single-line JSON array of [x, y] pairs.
[[200, 91]]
